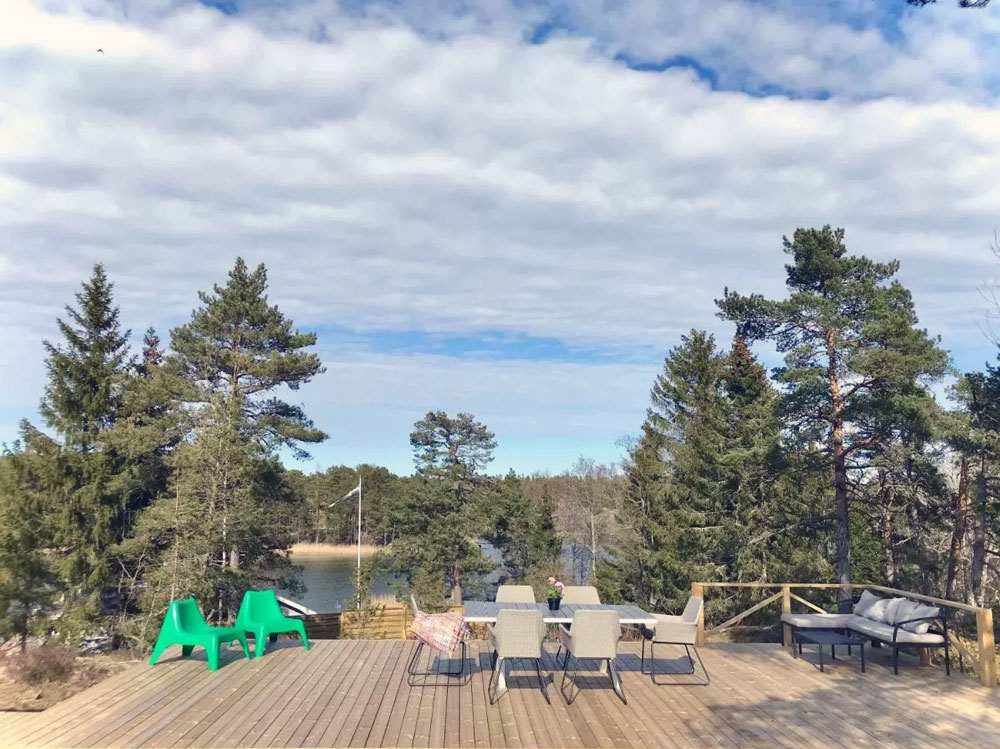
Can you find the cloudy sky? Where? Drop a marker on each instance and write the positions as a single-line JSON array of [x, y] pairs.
[[508, 207]]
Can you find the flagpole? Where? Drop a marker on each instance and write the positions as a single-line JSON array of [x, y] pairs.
[[359, 543]]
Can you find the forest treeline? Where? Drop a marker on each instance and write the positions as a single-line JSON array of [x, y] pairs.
[[157, 472]]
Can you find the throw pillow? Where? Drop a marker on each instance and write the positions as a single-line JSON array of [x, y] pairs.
[[889, 617], [905, 610], [864, 603], [922, 610], [876, 612]]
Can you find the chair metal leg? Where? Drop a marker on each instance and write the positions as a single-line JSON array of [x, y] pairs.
[[562, 683], [541, 683], [616, 681], [419, 678], [652, 663], [895, 661], [493, 687]]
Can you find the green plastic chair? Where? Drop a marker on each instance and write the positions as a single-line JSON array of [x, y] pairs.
[[261, 615], [185, 625]]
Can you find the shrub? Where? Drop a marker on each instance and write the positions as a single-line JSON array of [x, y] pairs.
[[47, 663]]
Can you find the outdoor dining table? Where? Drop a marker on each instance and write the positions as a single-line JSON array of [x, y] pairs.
[[485, 612]]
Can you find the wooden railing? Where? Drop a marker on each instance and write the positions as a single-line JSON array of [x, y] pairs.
[[983, 663]]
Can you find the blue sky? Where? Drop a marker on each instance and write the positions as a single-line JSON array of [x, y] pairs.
[[508, 208]]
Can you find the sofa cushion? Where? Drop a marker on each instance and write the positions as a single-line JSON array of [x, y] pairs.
[[867, 600], [920, 611], [817, 621], [876, 612], [883, 631], [894, 604]]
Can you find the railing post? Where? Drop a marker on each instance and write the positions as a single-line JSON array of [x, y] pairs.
[[987, 648], [698, 591], [786, 608]]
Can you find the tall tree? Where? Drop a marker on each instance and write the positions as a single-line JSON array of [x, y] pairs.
[[27, 582], [455, 448], [239, 345], [674, 504], [83, 394], [523, 532], [87, 372], [443, 514], [854, 359]]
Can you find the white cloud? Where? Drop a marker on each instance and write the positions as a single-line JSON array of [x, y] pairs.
[[393, 179]]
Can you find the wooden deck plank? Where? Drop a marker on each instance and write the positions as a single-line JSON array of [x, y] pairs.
[[78, 725], [373, 688], [279, 732], [355, 692], [305, 718], [249, 702], [393, 702], [384, 691], [335, 716]]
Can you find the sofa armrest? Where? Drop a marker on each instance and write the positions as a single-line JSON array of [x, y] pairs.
[[898, 625]]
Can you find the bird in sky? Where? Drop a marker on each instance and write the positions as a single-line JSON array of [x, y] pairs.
[[101, 51]]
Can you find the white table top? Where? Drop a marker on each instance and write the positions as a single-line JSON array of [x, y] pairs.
[[486, 612]]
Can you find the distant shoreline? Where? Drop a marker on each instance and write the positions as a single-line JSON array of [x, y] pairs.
[[332, 551]]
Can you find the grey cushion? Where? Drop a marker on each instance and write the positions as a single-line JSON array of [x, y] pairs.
[[883, 631], [864, 603], [905, 611], [876, 612], [674, 629], [920, 611], [817, 621], [889, 617]]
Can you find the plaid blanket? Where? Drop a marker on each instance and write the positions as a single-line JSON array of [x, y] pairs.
[[443, 632]]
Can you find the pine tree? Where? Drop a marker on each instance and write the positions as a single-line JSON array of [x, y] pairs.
[[443, 511], [240, 346], [854, 358]]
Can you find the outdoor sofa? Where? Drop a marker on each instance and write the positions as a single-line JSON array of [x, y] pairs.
[[897, 622]]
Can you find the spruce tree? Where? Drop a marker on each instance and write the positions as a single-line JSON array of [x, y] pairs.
[[28, 583], [83, 395], [675, 507], [854, 358], [82, 403]]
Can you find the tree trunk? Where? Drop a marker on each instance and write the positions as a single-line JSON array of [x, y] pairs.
[[960, 513], [593, 546], [979, 538], [839, 463], [889, 557]]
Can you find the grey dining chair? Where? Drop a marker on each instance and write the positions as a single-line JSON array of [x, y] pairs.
[[515, 594], [674, 630], [580, 594], [594, 634], [518, 634]]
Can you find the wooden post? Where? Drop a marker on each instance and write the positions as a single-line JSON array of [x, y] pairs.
[[987, 648], [698, 591], [786, 608]]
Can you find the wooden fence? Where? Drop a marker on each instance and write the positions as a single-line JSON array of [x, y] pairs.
[[380, 623], [983, 662]]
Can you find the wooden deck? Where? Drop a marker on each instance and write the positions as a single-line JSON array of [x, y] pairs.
[[354, 693]]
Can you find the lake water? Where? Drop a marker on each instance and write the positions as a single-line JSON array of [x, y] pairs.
[[330, 582]]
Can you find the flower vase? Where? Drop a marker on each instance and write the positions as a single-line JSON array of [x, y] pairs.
[[554, 604]]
